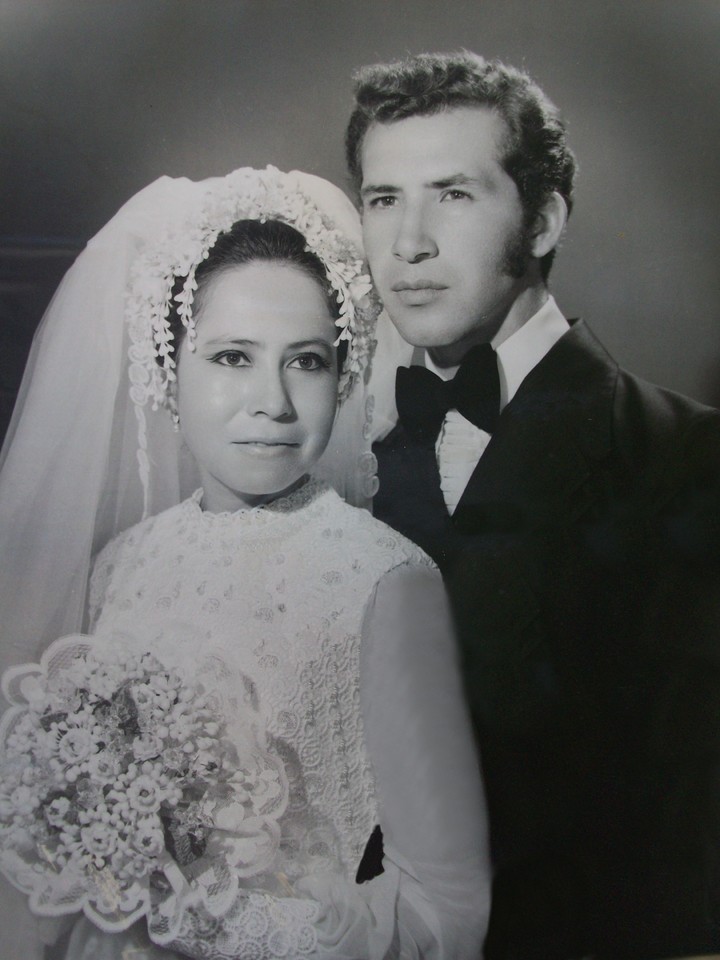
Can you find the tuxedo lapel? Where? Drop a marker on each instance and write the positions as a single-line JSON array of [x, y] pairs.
[[541, 462], [542, 468], [541, 471]]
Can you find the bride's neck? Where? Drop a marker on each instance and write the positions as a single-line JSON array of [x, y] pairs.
[[218, 498]]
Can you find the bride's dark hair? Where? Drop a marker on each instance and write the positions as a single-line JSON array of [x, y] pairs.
[[250, 241]]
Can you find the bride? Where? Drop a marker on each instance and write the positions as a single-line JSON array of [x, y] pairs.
[[240, 374]]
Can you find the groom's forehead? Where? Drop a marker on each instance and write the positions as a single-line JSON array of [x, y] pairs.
[[440, 144]]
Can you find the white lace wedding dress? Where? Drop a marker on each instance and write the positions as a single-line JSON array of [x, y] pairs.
[[340, 627]]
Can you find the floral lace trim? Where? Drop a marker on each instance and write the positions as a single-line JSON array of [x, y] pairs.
[[318, 721], [243, 194], [265, 513], [257, 927]]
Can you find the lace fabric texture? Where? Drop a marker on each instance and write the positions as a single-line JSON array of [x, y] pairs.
[[227, 590], [257, 926]]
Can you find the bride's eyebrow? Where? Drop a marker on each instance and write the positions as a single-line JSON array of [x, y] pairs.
[[314, 342], [231, 341], [240, 342]]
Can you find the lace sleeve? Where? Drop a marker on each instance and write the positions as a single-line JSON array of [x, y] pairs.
[[102, 570], [432, 900], [326, 918]]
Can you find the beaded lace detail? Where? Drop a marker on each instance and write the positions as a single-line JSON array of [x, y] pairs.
[[265, 513], [277, 594], [256, 927]]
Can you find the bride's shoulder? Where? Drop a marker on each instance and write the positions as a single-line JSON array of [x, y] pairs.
[[369, 533], [151, 528]]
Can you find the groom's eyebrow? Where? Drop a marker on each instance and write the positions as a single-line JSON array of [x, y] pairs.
[[378, 188], [455, 180]]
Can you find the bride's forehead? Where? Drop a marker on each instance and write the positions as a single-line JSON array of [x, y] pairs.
[[268, 295], [271, 281]]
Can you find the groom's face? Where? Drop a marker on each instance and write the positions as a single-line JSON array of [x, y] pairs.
[[443, 225]]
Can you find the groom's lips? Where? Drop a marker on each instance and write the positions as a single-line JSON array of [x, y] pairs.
[[417, 293]]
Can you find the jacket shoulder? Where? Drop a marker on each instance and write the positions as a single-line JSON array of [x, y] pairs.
[[652, 423]]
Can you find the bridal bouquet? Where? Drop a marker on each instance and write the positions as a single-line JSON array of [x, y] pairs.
[[116, 774]]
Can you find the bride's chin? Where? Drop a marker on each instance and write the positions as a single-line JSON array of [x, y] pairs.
[[225, 498]]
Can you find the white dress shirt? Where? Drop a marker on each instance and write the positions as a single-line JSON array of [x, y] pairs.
[[460, 444]]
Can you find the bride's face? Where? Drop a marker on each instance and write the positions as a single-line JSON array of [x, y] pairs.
[[257, 397]]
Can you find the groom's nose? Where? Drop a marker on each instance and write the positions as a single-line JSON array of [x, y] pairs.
[[413, 240]]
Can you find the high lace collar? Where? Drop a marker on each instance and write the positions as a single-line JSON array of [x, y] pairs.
[[263, 515]]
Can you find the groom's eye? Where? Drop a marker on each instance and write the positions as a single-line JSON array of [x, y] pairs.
[[387, 200], [456, 195]]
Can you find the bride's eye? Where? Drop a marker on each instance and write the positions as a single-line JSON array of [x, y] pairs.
[[231, 358], [309, 361]]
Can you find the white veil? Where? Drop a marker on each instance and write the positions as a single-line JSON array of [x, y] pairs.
[[69, 476]]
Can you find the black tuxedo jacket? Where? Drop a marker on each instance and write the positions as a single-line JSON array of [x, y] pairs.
[[583, 562]]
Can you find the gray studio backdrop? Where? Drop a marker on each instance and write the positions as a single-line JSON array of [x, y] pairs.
[[99, 98]]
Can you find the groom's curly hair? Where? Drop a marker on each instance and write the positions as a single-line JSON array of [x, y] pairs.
[[535, 153]]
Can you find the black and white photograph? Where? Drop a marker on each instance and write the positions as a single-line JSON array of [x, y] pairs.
[[360, 482]]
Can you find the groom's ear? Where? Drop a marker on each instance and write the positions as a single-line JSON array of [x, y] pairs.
[[549, 225]]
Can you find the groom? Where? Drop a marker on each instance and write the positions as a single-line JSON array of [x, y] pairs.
[[574, 511]]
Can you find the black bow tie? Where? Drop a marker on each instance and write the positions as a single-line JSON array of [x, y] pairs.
[[423, 398]]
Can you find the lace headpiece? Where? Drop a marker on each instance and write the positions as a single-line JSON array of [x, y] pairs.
[[245, 194]]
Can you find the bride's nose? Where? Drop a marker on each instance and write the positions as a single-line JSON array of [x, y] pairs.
[[268, 395]]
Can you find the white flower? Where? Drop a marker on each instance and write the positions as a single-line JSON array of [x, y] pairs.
[[56, 811], [143, 695], [134, 866], [98, 840], [105, 680], [145, 793], [147, 747], [89, 794], [174, 761], [266, 790], [148, 837], [33, 690], [76, 745], [23, 799], [181, 727], [104, 765]]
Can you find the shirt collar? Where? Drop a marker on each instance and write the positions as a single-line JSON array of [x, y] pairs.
[[522, 351]]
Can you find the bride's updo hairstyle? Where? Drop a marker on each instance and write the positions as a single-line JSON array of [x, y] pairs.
[[247, 216], [254, 241]]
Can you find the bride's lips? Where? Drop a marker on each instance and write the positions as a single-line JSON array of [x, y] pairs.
[[266, 448], [417, 293]]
